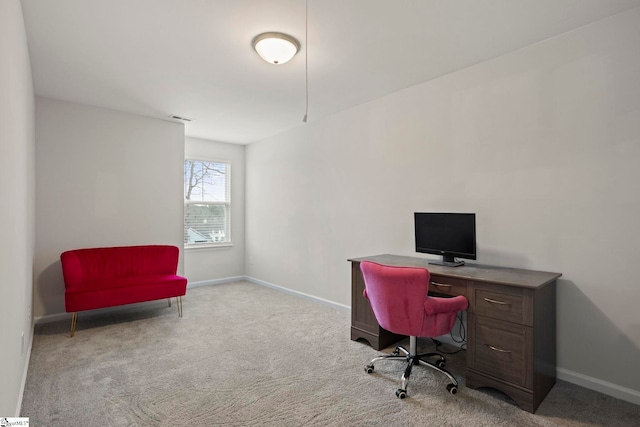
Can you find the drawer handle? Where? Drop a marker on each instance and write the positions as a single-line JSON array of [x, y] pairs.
[[498, 349], [441, 285], [493, 301]]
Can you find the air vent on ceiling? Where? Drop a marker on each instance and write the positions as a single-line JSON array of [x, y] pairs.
[[181, 118]]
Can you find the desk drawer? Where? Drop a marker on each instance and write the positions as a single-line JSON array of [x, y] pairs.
[[499, 304], [500, 349], [447, 286]]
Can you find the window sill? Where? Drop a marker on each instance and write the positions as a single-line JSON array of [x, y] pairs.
[[208, 246]]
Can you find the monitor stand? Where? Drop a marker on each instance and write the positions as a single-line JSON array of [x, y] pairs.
[[448, 261]]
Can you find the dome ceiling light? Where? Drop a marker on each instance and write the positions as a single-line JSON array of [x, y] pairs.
[[276, 48]]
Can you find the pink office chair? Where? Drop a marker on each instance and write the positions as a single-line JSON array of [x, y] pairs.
[[399, 299]]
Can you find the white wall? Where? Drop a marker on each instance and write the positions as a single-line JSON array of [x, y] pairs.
[[103, 178], [212, 264], [543, 144], [17, 193]]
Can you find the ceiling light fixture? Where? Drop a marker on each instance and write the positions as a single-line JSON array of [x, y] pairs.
[[276, 48]]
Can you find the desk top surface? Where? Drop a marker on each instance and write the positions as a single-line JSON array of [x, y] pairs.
[[476, 272]]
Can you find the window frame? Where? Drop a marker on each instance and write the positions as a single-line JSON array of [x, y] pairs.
[[227, 204]]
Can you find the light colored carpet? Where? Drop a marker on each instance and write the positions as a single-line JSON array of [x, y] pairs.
[[245, 355]]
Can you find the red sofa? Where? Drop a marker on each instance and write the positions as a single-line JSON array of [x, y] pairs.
[[108, 277]]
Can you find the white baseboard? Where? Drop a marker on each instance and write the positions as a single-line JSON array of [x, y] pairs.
[[215, 281], [49, 318], [332, 304], [604, 387], [24, 375]]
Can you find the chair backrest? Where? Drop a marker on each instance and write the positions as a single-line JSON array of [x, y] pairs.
[[397, 296]]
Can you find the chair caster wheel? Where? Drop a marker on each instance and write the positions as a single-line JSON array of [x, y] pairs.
[[440, 364], [451, 388], [368, 369], [401, 394]]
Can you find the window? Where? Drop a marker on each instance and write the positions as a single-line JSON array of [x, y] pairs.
[[207, 203]]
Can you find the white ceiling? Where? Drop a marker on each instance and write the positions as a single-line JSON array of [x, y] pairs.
[[194, 57]]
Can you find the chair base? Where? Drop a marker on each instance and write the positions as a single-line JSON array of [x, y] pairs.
[[413, 359]]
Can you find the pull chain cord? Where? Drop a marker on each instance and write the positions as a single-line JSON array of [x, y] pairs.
[[306, 59]]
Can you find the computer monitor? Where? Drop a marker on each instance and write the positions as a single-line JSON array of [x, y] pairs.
[[452, 235]]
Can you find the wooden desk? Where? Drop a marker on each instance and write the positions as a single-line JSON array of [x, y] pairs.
[[511, 323]]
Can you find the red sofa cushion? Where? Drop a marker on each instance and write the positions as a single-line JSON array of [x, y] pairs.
[[106, 277], [123, 291]]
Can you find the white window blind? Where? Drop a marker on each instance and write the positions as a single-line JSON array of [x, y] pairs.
[[207, 203]]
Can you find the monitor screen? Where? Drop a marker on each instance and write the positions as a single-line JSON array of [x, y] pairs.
[[448, 234]]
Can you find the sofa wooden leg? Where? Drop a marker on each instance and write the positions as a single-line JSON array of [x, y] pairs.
[[74, 318], [179, 302], [169, 301]]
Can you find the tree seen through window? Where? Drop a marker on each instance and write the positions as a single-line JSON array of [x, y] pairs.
[[206, 202]]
